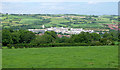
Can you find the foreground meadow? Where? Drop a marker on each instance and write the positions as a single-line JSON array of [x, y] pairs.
[[61, 57], [0, 59]]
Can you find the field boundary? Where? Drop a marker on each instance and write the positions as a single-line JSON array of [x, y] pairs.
[[60, 69]]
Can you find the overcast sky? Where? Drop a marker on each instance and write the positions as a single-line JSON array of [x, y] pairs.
[[59, 0], [95, 7]]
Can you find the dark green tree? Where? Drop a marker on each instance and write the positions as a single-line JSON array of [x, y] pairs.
[[6, 37], [26, 36], [44, 39]]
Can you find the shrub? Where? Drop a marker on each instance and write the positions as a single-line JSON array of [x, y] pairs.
[[15, 46], [95, 43], [9, 46]]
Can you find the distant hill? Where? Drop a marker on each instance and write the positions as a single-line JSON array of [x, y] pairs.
[[35, 21]]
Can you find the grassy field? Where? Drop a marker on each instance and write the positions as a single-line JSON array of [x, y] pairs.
[[32, 21], [61, 57], [0, 59]]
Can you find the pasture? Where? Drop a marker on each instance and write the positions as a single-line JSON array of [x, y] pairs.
[[0, 59], [35, 21], [61, 57]]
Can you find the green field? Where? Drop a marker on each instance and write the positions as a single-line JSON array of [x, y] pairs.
[[35, 21], [0, 59], [61, 57]]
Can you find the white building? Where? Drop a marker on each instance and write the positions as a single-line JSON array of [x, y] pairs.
[[62, 30], [43, 26]]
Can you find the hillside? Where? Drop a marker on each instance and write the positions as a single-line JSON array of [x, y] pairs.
[[35, 21]]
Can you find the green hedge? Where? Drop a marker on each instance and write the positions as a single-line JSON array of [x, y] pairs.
[[45, 45], [53, 45], [21, 45]]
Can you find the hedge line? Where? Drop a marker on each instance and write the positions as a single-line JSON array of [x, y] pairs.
[[52, 45]]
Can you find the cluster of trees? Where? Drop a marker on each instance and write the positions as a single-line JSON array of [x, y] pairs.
[[91, 38], [16, 36], [50, 37]]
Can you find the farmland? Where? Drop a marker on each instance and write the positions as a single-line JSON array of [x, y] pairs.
[[0, 58], [61, 57], [35, 21], [87, 52]]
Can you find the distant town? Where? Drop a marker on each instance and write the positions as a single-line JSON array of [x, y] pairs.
[[61, 30]]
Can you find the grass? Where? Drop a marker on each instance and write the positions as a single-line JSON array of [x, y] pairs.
[[87, 25], [0, 59], [61, 57], [29, 21], [58, 20]]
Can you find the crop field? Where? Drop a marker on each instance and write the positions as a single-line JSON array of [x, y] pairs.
[[61, 57], [35, 21], [58, 20], [88, 25]]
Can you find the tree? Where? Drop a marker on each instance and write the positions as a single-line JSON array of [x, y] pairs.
[[105, 35], [106, 41], [42, 39], [95, 37], [52, 34], [26, 36], [63, 40], [15, 37], [83, 37], [10, 36], [118, 37], [111, 36], [6, 37]]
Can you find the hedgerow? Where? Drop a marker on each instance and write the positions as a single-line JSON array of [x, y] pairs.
[[52, 45]]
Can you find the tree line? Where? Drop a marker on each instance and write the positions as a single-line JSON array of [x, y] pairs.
[[24, 38]]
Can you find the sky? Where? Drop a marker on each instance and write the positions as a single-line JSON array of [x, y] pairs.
[[84, 7], [59, 0]]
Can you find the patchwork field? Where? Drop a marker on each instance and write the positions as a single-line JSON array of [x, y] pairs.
[[61, 57], [35, 21]]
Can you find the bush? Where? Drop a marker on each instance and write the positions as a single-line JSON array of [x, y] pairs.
[[95, 43], [9, 46], [45, 45]]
